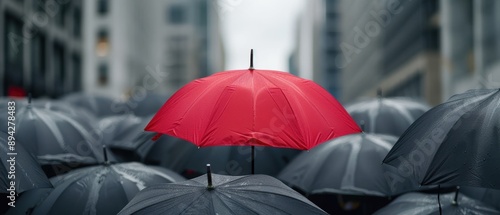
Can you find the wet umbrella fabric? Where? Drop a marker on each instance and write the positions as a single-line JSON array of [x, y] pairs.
[[455, 143], [54, 137], [256, 194], [28, 173], [253, 107], [487, 196], [390, 116], [103, 189], [427, 204], [349, 165]]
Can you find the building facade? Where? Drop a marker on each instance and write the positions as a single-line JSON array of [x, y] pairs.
[[471, 45], [41, 48], [157, 45], [390, 45]]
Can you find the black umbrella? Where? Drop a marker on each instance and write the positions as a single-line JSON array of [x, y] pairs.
[[427, 204], [19, 167], [220, 194], [455, 143], [146, 104], [391, 116], [127, 140], [349, 165], [99, 105], [81, 115], [54, 137], [103, 189]]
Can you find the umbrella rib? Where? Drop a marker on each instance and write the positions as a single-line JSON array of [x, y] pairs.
[[249, 199], [194, 200], [298, 91]]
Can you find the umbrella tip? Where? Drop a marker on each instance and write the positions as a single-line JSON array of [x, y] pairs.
[[105, 153], [29, 98], [362, 125], [379, 92], [251, 60], [209, 178]]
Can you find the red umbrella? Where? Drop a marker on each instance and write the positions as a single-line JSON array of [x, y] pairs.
[[253, 107]]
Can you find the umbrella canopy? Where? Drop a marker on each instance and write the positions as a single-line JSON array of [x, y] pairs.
[[391, 116], [27, 172], [253, 107], [98, 105], [487, 196], [122, 131], [455, 143], [427, 204], [146, 105], [125, 137], [127, 140], [256, 194], [349, 165], [81, 115], [103, 189], [53, 137]]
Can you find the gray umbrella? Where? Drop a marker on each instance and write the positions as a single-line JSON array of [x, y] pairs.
[[53, 137], [27, 173], [391, 116], [456, 143], [349, 165], [427, 204], [98, 105], [103, 189], [125, 136], [147, 104], [127, 140], [220, 194]]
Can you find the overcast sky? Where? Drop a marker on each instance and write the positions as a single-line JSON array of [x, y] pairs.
[[267, 26]]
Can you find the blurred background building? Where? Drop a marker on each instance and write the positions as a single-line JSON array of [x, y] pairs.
[[41, 48], [54, 47], [392, 46], [159, 45], [424, 49], [428, 50]]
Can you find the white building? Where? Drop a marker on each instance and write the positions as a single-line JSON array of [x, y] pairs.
[[157, 45]]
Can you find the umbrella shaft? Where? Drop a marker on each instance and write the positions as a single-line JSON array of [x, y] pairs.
[[253, 160]]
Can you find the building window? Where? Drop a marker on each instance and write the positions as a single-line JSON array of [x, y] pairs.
[[13, 58], [102, 47], [176, 14], [77, 22], [59, 68], [76, 63], [102, 7], [60, 16], [103, 75], [203, 14], [38, 72]]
